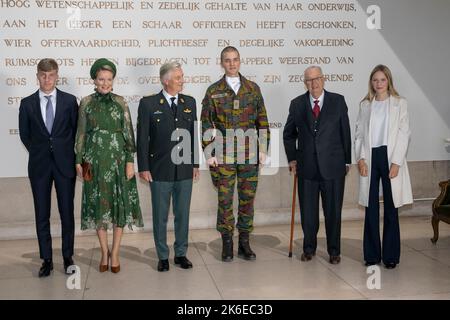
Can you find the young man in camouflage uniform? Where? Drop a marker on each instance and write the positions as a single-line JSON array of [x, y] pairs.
[[235, 135]]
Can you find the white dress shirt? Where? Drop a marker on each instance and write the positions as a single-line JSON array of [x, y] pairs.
[[234, 83], [380, 123], [168, 96], [311, 98], [44, 100]]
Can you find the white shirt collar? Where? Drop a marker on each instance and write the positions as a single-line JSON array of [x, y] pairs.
[[234, 83], [233, 80], [322, 96], [168, 96], [42, 94]]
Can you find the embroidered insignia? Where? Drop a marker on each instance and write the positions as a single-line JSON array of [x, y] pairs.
[[219, 95], [187, 110], [157, 112]]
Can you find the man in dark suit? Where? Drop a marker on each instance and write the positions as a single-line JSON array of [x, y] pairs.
[[47, 125], [168, 159], [318, 147]]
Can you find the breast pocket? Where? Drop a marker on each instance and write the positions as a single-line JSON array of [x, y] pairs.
[[223, 111], [187, 120]]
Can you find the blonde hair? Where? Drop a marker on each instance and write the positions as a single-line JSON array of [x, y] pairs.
[[391, 89], [47, 64]]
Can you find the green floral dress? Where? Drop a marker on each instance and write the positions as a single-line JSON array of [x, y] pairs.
[[105, 139]]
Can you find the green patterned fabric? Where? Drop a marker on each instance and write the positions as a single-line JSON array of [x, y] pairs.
[[105, 139], [245, 111], [247, 181], [226, 111]]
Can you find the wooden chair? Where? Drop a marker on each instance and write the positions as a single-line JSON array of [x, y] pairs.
[[441, 209]]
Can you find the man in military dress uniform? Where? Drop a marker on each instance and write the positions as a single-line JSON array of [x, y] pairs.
[[166, 159], [235, 135]]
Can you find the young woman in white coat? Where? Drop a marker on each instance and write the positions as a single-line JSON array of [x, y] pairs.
[[381, 142]]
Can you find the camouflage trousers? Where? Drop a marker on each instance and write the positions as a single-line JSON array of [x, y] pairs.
[[224, 179]]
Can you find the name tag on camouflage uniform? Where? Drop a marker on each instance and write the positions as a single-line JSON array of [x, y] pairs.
[[219, 95], [235, 104]]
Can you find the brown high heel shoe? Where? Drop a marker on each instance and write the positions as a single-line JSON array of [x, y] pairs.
[[115, 269], [104, 267]]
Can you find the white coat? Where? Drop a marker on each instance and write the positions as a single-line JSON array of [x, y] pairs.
[[397, 146]]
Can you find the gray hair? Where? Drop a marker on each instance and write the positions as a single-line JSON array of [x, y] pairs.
[[311, 68], [166, 68]]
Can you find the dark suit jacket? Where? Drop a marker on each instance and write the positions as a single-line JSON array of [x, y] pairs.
[[42, 146], [328, 148], [155, 126]]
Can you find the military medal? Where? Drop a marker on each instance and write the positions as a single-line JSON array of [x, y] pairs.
[[235, 104]]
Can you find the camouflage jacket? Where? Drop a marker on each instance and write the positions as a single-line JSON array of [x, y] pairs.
[[227, 112]]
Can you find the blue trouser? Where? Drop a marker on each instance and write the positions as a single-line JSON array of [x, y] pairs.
[[332, 193], [41, 186], [391, 229], [180, 192]]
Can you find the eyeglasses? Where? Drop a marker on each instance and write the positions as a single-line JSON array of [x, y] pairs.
[[310, 81]]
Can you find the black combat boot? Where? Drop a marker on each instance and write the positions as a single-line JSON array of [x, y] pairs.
[[227, 247], [244, 250]]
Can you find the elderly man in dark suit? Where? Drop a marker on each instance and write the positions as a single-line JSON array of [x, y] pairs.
[[318, 147], [168, 160], [47, 125]]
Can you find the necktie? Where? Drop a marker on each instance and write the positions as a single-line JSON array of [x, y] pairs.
[[49, 117], [316, 109], [173, 106]]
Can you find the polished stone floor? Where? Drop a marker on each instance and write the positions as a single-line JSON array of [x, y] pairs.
[[423, 273]]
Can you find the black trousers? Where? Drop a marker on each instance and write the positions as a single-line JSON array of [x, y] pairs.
[[332, 194], [41, 186], [373, 251]]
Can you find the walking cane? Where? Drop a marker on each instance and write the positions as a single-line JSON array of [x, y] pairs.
[[294, 191]]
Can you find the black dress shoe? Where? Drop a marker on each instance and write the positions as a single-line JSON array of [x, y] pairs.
[[306, 256], [163, 265], [390, 265], [67, 263], [46, 268], [183, 262], [370, 263], [335, 259]]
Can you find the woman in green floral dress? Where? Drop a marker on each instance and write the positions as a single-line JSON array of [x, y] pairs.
[[105, 140]]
